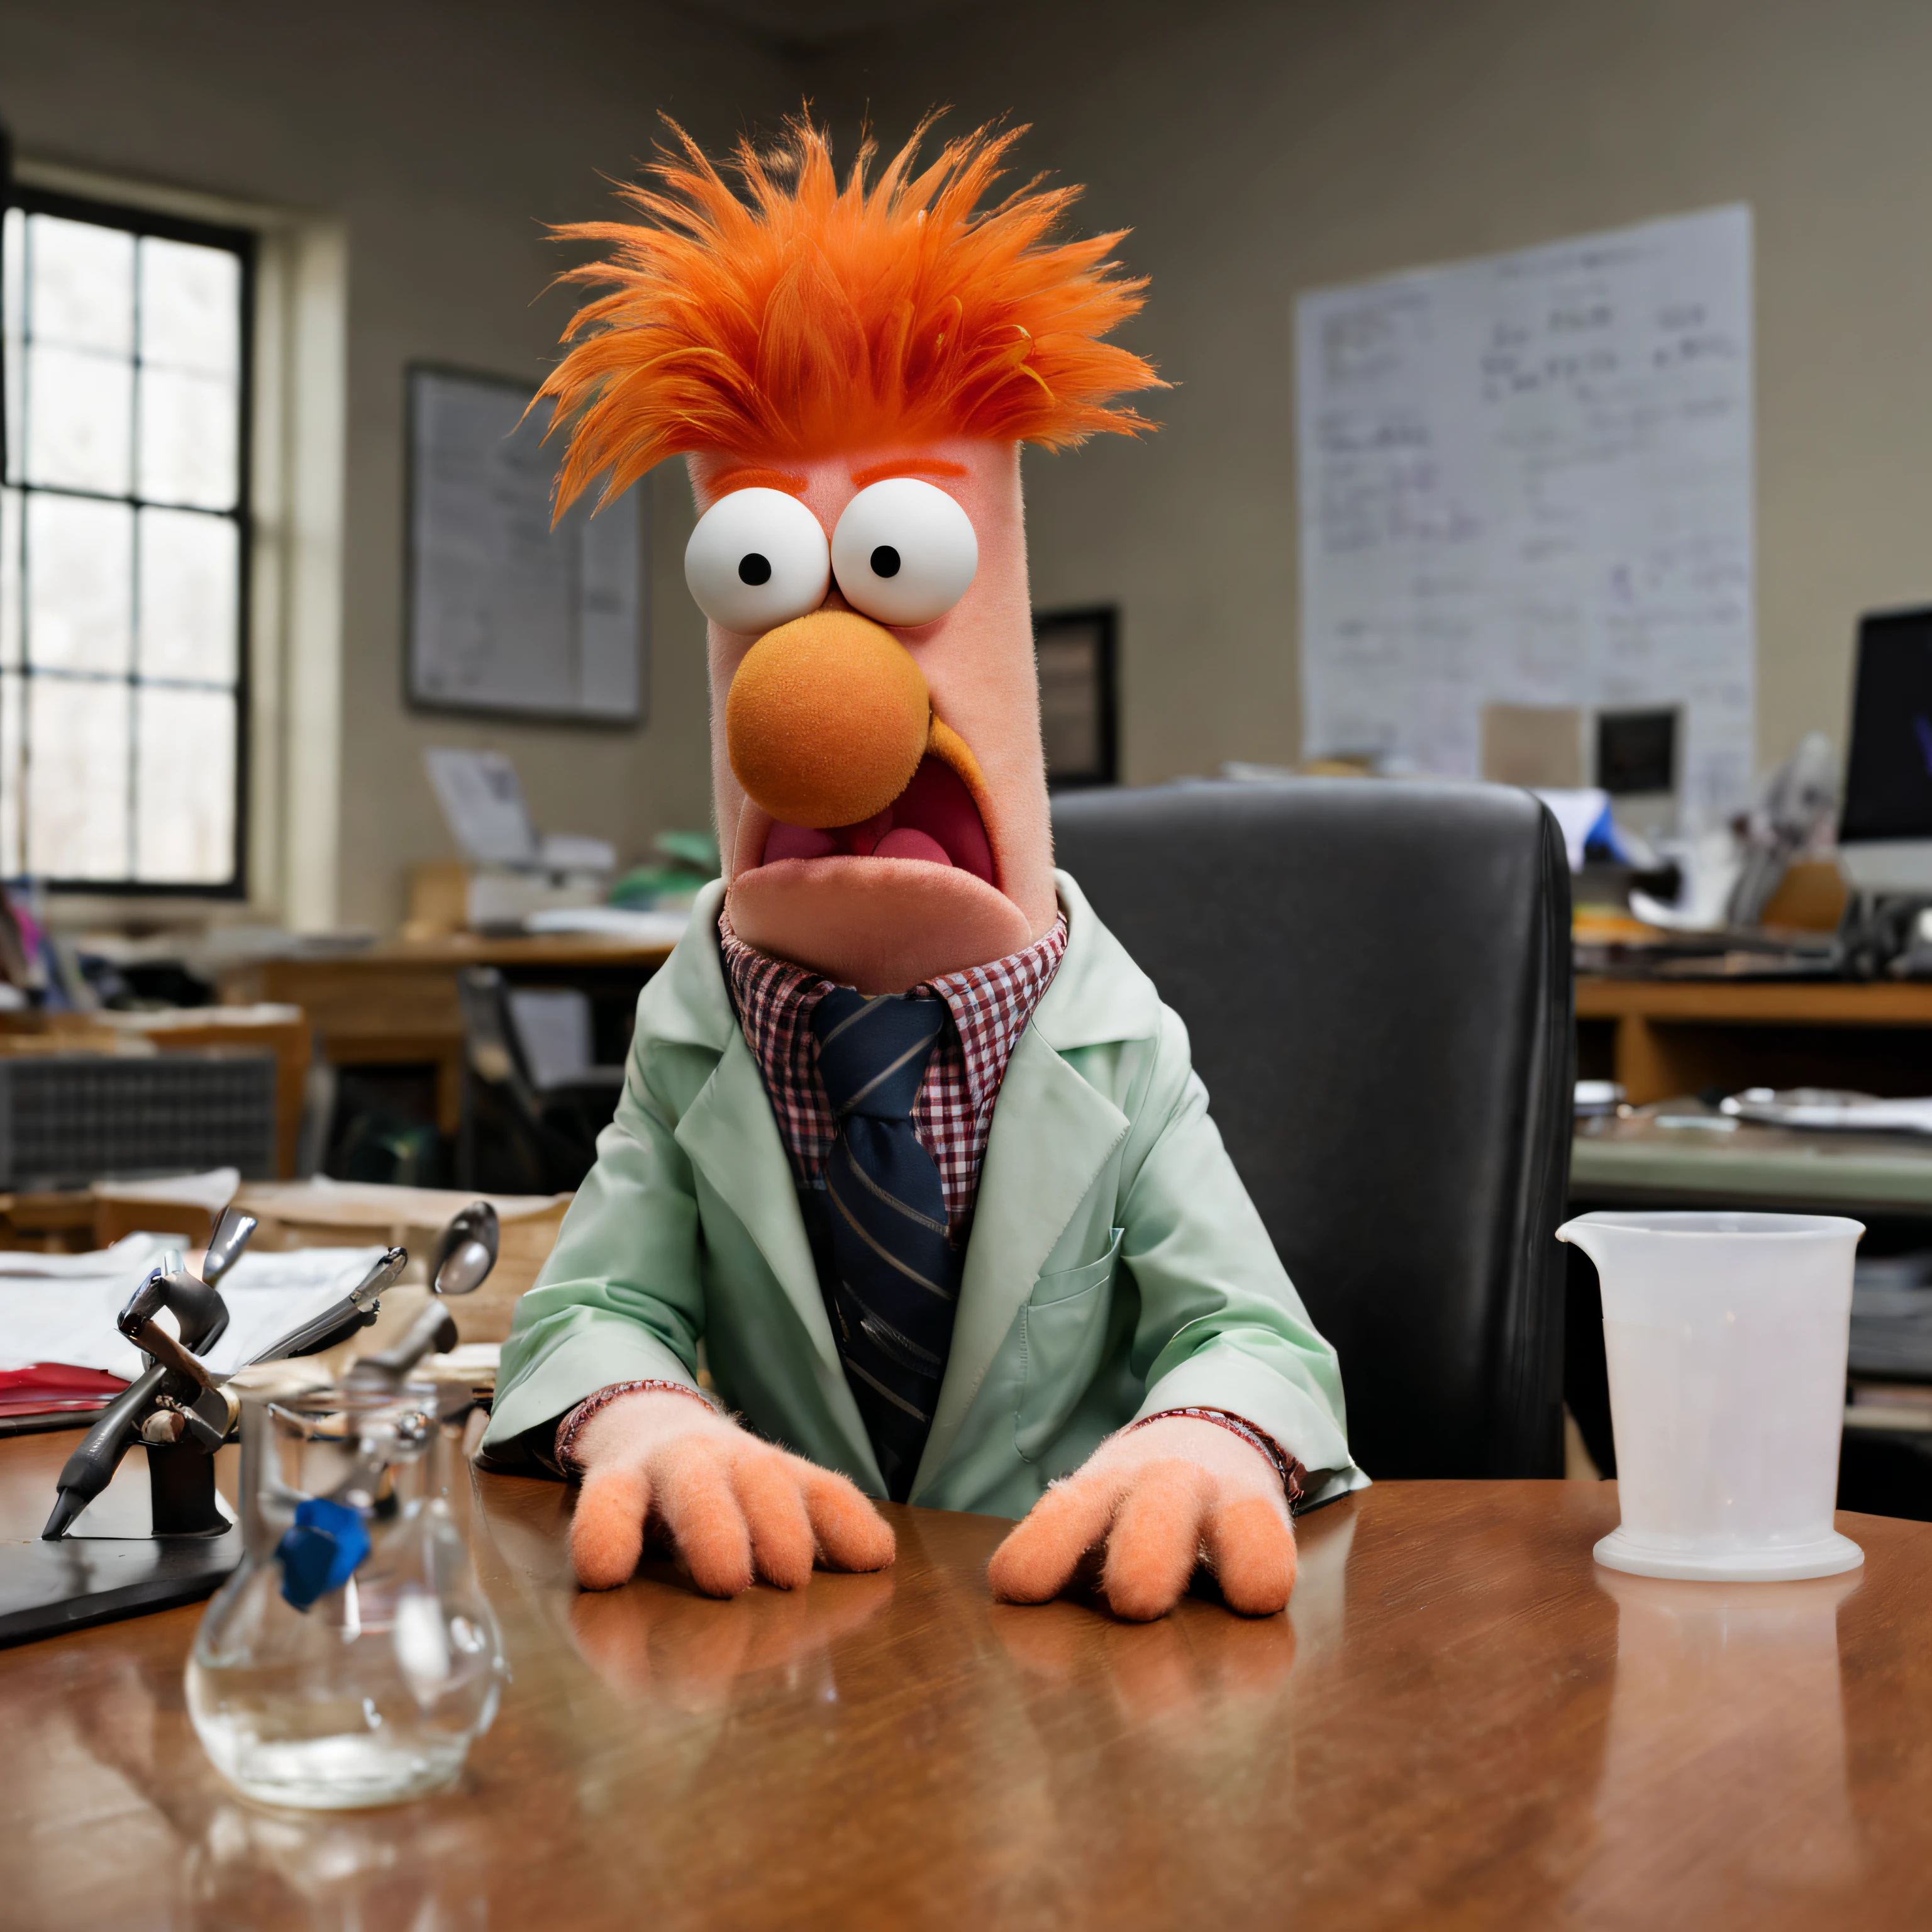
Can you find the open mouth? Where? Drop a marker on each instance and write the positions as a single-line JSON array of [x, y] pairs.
[[934, 820]]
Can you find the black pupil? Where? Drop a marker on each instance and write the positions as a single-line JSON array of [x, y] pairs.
[[753, 568], [885, 561]]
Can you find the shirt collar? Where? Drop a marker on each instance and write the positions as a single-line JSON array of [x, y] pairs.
[[990, 1004]]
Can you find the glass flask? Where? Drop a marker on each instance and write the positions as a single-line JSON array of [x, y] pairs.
[[352, 1657]]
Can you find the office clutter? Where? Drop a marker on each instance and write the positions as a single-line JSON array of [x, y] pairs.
[[60, 1308], [509, 869], [55, 1348], [179, 1405], [1796, 886], [513, 878], [351, 1657]]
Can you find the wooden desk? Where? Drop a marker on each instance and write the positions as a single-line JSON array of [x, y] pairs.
[[1463, 1723], [398, 1004], [1661, 1037]]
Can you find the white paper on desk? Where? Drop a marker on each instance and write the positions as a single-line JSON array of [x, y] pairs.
[[213, 1190], [1860, 1116], [483, 804], [650, 928], [1526, 479], [68, 1315]]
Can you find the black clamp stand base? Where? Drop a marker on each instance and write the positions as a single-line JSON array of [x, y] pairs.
[[126, 1554]]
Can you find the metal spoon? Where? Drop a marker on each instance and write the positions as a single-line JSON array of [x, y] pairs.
[[465, 1251]]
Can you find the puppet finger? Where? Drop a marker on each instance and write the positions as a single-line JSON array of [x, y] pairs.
[[775, 1515], [703, 1515], [851, 1534], [1155, 1539], [606, 1531], [1253, 1552], [1038, 1560]]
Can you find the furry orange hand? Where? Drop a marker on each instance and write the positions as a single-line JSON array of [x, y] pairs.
[[736, 1508], [1158, 1500]]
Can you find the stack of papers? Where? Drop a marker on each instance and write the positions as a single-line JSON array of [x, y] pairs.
[[60, 1308]]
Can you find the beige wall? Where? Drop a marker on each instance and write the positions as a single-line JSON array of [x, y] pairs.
[[1256, 149], [1261, 149], [443, 136]]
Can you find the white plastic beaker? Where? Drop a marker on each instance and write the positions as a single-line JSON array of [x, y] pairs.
[[1726, 1335]]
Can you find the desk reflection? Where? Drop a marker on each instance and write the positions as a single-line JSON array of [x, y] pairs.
[[1727, 1706], [413, 1870], [656, 1637]]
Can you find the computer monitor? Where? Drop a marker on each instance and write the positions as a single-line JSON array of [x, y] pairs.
[[1885, 832]]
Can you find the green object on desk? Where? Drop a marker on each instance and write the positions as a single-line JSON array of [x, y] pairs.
[[1622, 1160]]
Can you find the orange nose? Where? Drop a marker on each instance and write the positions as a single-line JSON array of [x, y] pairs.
[[826, 720]]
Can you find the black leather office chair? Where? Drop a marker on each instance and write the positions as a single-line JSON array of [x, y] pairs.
[[1376, 979]]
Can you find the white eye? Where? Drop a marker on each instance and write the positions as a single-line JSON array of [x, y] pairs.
[[757, 560], [904, 552]]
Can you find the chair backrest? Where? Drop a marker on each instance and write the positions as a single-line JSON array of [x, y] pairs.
[[491, 1042], [552, 1026], [1376, 980]]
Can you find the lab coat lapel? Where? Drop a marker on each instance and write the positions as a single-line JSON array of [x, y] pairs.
[[1052, 1133], [731, 1137]]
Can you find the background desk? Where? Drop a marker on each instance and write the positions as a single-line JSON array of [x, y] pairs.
[[1635, 1163], [396, 1005], [1661, 1037], [1462, 1723], [1883, 1180]]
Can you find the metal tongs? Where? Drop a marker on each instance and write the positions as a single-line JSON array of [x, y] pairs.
[[173, 1402]]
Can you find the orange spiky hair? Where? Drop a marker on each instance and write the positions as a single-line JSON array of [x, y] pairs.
[[805, 320]]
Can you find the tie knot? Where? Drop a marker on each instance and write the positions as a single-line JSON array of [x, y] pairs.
[[872, 1053]]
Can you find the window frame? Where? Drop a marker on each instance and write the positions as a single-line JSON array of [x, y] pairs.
[[243, 243]]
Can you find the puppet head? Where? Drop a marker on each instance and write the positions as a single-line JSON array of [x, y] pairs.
[[849, 372]]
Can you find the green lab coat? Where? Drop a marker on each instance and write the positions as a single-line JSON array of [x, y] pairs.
[[1116, 1266]]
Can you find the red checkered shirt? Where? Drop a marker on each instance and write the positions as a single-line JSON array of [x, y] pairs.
[[953, 1115]]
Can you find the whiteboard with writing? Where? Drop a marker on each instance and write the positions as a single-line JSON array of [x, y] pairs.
[[506, 614], [1527, 480]]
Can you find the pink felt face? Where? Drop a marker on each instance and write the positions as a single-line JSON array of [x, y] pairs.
[[883, 906]]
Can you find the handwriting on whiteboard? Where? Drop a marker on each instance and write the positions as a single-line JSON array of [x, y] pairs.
[[1527, 480]]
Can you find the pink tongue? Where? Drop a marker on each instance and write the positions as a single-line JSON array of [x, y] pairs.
[[937, 803], [934, 820], [905, 843]]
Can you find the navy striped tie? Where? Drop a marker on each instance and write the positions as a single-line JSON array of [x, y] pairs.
[[894, 1275]]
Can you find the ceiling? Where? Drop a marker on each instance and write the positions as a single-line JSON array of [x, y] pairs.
[[815, 23]]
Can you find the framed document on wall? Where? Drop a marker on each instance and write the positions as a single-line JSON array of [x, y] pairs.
[[1075, 651], [507, 616]]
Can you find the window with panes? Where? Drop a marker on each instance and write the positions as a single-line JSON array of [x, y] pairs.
[[123, 548]]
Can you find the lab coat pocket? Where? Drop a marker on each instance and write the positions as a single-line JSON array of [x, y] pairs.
[[1062, 1330]]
